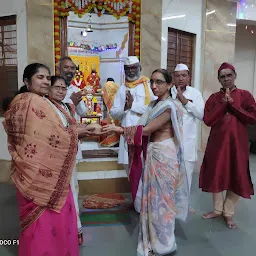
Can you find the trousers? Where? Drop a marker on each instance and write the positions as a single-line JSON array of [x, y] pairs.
[[225, 206]]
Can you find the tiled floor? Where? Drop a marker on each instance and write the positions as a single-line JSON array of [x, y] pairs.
[[198, 237]]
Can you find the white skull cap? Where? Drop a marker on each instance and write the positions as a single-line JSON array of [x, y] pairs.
[[131, 60], [181, 67]]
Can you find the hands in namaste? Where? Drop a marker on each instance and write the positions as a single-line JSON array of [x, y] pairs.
[[180, 96], [227, 97], [128, 100]]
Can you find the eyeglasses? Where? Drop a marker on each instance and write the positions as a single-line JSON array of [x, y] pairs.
[[131, 68], [157, 82], [60, 88]]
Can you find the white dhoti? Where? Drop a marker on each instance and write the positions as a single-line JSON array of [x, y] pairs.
[[75, 192], [123, 154], [189, 165], [75, 188]]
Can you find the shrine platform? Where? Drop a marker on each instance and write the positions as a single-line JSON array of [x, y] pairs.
[[99, 171]]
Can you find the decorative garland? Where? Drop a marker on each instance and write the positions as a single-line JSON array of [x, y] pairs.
[[93, 48], [118, 8]]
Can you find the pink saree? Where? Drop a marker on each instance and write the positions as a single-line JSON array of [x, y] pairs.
[[43, 156], [52, 233]]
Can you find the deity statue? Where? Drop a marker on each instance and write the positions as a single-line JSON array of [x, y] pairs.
[[94, 80], [78, 80], [91, 102]]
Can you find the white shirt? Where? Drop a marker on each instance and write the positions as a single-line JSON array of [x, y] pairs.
[[192, 111], [81, 110], [131, 116]]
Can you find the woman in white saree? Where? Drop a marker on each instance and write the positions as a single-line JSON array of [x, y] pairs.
[[160, 188]]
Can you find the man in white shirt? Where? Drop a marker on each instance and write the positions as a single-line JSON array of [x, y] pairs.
[[193, 110], [74, 95], [130, 102], [67, 70]]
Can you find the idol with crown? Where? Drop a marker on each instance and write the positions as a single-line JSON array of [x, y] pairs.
[[91, 102], [94, 80], [78, 80]]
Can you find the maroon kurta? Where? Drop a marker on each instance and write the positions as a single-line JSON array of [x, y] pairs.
[[226, 160]]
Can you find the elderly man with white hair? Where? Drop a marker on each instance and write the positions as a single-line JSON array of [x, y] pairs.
[[193, 110], [131, 102]]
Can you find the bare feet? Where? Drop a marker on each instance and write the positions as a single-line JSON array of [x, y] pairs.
[[229, 221], [211, 215], [192, 211], [80, 239]]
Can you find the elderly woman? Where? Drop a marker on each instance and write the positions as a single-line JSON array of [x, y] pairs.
[[42, 140], [57, 93], [160, 190]]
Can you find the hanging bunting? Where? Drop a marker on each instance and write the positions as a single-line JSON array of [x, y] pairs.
[[92, 47]]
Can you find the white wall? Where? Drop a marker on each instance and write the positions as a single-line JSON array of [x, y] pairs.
[[245, 57], [192, 22], [18, 8]]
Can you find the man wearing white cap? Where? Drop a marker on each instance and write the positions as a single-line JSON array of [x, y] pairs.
[[131, 102], [193, 110]]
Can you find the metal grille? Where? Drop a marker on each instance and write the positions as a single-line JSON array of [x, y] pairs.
[[8, 58]]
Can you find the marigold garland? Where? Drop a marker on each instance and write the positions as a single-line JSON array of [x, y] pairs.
[[118, 8]]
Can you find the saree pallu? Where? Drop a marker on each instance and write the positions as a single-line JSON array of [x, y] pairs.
[[52, 234], [43, 150]]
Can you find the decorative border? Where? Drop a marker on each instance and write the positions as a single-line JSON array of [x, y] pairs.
[[117, 8]]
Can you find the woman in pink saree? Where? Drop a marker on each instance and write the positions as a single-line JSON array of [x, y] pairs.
[[157, 171], [43, 152]]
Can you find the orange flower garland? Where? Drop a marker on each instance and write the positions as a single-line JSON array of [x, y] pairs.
[[118, 8]]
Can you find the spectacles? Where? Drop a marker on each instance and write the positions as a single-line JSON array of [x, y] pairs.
[[131, 68], [59, 88], [157, 82]]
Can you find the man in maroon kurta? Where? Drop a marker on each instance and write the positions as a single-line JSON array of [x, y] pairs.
[[226, 161]]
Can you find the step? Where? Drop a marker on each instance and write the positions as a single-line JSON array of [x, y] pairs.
[[92, 149], [98, 175], [93, 166], [117, 185]]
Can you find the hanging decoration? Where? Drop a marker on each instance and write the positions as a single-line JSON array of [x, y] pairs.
[[92, 47], [118, 8]]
